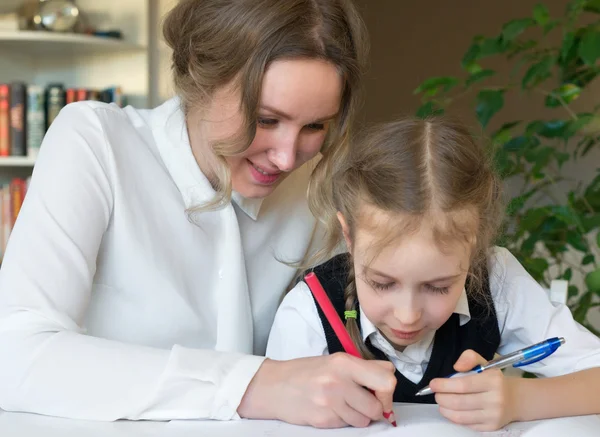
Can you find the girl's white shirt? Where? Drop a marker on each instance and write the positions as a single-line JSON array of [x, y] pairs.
[[525, 316], [114, 301]]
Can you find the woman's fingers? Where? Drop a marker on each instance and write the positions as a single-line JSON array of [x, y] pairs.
[[379, 377], [325, 392]]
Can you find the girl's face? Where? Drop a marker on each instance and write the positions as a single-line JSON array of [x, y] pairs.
[[411, 287], [299, 100]]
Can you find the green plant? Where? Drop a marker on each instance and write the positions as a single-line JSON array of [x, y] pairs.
[[545, 226]]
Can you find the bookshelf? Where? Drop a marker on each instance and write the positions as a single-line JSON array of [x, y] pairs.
[[17, 161], [55, 44], [82, 61]]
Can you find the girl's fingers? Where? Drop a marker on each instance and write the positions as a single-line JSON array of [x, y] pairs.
[[460, 402], [471, 417], [467, 360]]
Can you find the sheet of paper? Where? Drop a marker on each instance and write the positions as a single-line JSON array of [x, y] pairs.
[[413, 421]]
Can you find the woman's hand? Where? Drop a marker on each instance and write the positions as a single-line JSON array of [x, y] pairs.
[[324, 392], [484, 402]]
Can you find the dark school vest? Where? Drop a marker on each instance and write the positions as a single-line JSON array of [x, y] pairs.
[[481, 333]]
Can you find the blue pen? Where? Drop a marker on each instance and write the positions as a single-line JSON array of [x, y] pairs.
[[523, 357]]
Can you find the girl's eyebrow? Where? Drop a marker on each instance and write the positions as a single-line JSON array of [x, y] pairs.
[[444, 278], [385, 275], [377, 272]]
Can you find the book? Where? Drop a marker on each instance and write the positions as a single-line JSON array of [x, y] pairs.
[[4, 120], [18, 114], [55, 101], [36, 119]]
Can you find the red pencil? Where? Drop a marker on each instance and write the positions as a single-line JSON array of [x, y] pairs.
[[320, 295]]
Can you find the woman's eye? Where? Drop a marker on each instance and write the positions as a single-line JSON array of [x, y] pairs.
[[267, 122], [315, 126], [440, 290]]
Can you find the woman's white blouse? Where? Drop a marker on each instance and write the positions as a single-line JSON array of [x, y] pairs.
[[525, 316], [114, 303]]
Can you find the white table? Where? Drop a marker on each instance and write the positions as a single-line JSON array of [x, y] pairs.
[[31, 425]]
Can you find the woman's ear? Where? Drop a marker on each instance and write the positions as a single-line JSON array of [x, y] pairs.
[[345, 230]]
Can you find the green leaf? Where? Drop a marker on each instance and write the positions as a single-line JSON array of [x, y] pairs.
[[436, 83], [489, 102], [583, 306], [588, 259], [568, 274], [591, 222], [479, 76], [553, 128], [589, 48], [561, 158], [533, 218], [567, 93], [592, 280], [567, 50], [541, 14], [550, 25], [514, 28], [489, 47], [592, 6], [516, 144], [429, 110], [516, 204], [536, 267], [573, 291], [471, 55], [538, 72], [472, 68]]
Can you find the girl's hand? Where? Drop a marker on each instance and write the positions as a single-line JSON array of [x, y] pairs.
[[324, 392], [484, 402]]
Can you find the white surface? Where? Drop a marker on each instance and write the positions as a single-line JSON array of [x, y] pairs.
[[413, 421]]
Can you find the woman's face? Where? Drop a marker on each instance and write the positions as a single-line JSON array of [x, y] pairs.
[[299, 100]]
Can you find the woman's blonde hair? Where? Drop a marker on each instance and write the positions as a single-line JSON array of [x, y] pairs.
[[218, 42], [428, 171]]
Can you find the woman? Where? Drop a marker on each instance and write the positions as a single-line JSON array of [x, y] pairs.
[[145, 266]]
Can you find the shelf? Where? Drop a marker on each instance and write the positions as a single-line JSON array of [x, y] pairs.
[[41, 43], [16, 161]]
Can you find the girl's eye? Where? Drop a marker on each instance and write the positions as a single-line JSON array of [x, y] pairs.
[[267, 122], [315, 126], [440, 290], [380, 286]]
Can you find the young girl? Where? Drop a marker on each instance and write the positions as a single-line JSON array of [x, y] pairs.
[[418, 205]]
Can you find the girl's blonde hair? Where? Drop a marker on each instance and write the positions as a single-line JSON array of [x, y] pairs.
[[220, 42], [426, 170]]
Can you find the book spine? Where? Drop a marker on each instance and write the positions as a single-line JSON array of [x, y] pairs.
[[82, 94], [18, 98], [70, 95], [4, 120], [36, 123], [55, 101], [6, 214], [17, 189]]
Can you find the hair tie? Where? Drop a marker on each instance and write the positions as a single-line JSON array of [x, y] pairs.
[[350, 314]]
